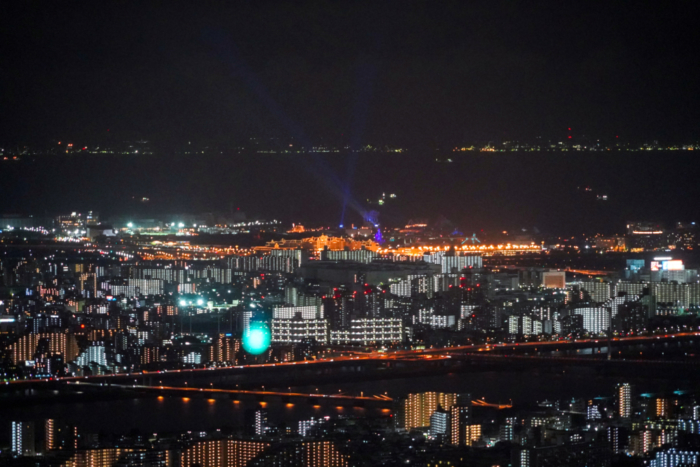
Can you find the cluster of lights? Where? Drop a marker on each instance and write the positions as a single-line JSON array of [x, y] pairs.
[[197, 302]]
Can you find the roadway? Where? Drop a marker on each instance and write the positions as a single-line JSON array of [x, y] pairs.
[[377, 357], [188, 392]]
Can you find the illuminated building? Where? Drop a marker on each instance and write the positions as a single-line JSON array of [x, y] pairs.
[[594, 291], [417, 408], [109, 457], [50, 435], [624, 400], [92, 354], [401, 288], [181, 275], [439, 424], [428, 316], [189, 288], [596, 320], [645, 236], [673, 457], [296, 330], [149, 354], [224, 349], [507, 249], [669, 294], [59, 343], [289, 312], [191, 358], [663, 407], [294, 297], [147, 286], [462, 430], [305, 426], [453, 261], [318, 244], [59, 436], [593, 411], [505, 432], [261, 425], [641, 442], [617, 438], [221, 453], [614, 243], [524, 326], [350, 272], [360, 256], [87, 281], [305, 453], [472, 434], [23, 441], [368, 331], [554, 279], [573, 454]]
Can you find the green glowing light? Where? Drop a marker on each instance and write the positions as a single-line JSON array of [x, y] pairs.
[[256, 339]]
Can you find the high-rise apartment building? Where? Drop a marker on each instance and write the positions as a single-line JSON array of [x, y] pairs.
[[261, 425], [417, 408], [58, 343], [221, 453], [23, 439], [624, 400]]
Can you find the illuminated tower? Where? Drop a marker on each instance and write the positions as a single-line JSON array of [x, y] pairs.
[[260, 422], [439, 424], [663, 407], [23, 439], [624, 400]]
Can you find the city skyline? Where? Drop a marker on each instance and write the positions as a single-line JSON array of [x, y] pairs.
[[349, 234]]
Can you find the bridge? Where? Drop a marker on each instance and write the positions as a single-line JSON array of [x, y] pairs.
[[381, 365]]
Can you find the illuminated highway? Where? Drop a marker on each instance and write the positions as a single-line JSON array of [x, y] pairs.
[[242, 392], [187, 391], [416, 355]]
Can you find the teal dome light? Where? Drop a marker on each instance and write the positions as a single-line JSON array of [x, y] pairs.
[[256, 339]]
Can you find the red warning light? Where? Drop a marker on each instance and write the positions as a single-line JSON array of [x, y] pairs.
[[569, 136], [569, 129]]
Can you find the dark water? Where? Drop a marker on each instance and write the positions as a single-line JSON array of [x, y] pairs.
[[175, 415], [491, 191]]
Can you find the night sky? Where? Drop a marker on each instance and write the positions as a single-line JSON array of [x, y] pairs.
[[383, 72]]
